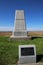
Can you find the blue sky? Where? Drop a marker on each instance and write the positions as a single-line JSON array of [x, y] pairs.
[[33, 13]]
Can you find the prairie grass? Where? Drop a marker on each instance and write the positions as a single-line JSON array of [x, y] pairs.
[[9, 49]]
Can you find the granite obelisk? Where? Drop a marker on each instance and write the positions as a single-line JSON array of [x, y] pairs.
[[19, 25]]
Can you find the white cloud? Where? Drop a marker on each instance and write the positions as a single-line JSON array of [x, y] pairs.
[[6, 28], [34, 29], [12, 29]]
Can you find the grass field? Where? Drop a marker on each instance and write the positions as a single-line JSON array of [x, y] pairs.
[[9, 49]]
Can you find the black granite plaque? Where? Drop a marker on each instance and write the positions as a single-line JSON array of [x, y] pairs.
[[27, 51]]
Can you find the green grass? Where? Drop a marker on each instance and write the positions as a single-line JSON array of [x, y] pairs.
[[9, 49]]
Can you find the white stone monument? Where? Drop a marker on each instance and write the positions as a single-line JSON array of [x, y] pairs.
[[19, 25], [19, 31]]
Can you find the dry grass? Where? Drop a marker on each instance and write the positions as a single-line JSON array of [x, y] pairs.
[[5, 33], [35, 33]]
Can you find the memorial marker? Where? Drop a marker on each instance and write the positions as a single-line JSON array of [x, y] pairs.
[[19, 32], [27, 54], [20, 25]]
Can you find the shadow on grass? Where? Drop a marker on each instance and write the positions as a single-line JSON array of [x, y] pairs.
[[36, 37], [39, 58]]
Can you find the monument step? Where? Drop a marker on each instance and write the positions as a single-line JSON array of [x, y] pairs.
[[20, 38]]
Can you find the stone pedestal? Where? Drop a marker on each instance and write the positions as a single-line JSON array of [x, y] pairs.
[[19, 38]]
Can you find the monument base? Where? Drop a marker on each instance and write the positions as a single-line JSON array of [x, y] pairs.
[[39, 63], [25, 61], [12, 38]]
